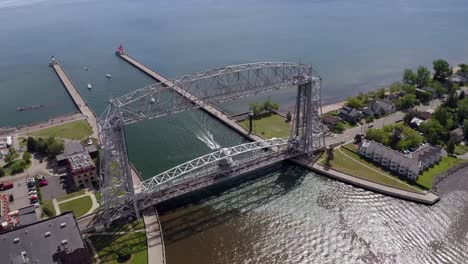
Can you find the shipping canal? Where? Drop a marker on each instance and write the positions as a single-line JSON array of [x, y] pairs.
[[285, 214]]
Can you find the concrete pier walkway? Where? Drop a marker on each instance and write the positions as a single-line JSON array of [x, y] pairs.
[[210, 109], [77, 98]]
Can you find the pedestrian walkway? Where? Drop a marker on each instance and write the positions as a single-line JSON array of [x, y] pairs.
[[154, 237], [94, 206]]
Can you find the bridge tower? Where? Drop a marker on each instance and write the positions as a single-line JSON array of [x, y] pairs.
[[308, 126]]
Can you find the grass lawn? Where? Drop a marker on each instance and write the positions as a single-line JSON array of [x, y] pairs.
[[427, 178], [270, 126], [348, 125], [71, 195], [349, 166], [109, 245], [72, 130], [22, 141], [48, 208], [79, 206], [461, 149]]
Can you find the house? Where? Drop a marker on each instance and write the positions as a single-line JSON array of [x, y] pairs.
[[425, 115], [53, 240], [428, 156], [416, 122], [457, 135], [430, 90], [459, 78], [330, 120], [382, 107], [390, 159], [367, 111], [395, 96], [350, 114]]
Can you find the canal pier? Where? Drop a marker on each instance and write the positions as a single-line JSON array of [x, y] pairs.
[[79, 101], [208, 108]]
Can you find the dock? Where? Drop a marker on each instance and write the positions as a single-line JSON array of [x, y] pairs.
[[208, 108], [76, 96]]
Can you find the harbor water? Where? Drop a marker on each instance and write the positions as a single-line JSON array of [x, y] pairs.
[[281, 215]]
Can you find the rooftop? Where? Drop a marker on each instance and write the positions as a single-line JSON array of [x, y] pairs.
[[80, 162], [54, 240]]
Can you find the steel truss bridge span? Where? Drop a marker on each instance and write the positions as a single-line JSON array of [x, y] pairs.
[[202, 90]]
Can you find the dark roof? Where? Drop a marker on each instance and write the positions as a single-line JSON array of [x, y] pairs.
[[72, 148], [426, 153], [386, 105], [27, 215], [346, 110], [33, 244], [327, 118], [91, 149], [425, 115]]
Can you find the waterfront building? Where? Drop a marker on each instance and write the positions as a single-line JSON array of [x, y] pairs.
[[407, 167], [330, 120], [350, 114], [54, 240], [80, 163]]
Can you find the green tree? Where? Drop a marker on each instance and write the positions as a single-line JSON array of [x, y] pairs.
[[462, 95], [378, 135], [354, 102], [423, 76], [27, 157], [2, 172], [256, 108], [450, 147], [395, 138], [409, 77], [339, 128], [396, 87], [452, 100], [288, 117], [463, 109], [406, 101], [433, 131], [18, 167], [31, 144], [465, 128], [442, 70], [463, 67], [330, 155], [54, 148], [380, 93]]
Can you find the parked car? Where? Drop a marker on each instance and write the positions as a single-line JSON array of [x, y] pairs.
[[33, 198], [31, 184], [6, 185], [370, 125], [32, 192], [43, 183]]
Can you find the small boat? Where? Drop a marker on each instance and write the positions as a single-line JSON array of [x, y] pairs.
[[108, 76], [85, 68], [152, 100], [89, 86]]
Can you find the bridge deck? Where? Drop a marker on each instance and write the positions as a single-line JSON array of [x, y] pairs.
[[212, 110], [77, 98]]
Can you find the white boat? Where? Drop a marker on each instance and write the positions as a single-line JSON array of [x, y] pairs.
[[152, 100], [108, 76], [89, 86]]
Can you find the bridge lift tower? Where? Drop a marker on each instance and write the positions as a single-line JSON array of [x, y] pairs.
[[200, 90]]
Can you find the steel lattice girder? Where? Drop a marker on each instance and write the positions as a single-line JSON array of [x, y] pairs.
[[222, 154], [202, 89], [208, 87]]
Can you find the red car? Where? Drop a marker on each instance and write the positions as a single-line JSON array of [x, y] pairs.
[[43, 182], [6, 185]]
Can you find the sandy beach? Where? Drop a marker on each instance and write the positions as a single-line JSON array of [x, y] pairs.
[[332, 107]]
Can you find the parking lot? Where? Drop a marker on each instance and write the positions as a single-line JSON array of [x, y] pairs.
[[57, 186], [20, 194]]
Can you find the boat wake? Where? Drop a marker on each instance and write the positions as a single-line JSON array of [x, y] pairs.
[[207, 138]]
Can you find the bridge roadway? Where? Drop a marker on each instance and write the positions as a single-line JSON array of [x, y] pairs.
[[209, 108]]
